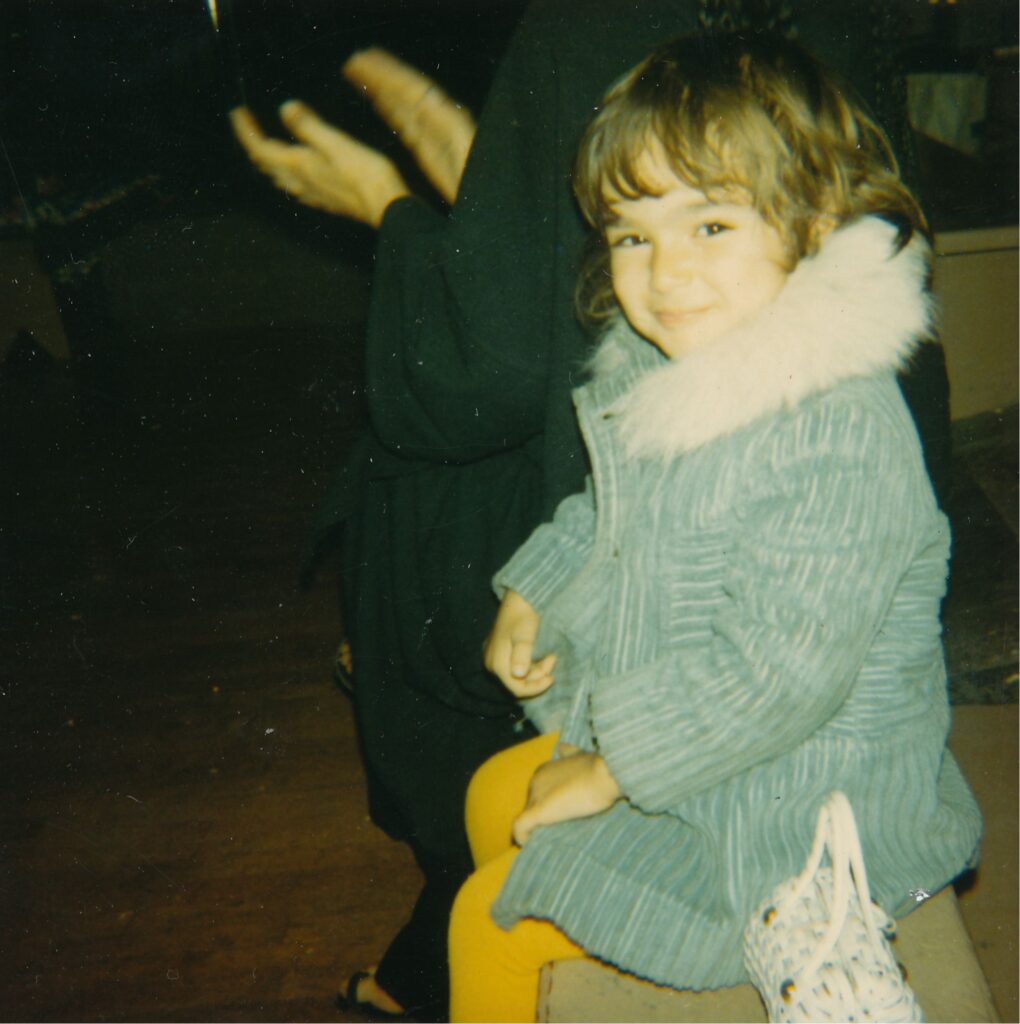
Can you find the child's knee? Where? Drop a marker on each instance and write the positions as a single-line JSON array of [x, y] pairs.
[[505, 776], [497, 794], [487, 810], [486, 786]]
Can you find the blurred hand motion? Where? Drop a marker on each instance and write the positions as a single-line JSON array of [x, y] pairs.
[[437, 131], [330, 170]]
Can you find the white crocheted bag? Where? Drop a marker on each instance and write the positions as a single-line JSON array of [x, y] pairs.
[[817, 948]]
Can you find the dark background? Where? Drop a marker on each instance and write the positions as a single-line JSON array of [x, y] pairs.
[[95, 94]]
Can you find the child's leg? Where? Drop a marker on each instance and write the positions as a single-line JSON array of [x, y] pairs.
[[498, 793], [494, 973]]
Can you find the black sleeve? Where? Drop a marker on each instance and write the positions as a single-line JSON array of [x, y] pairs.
[[462, 308]]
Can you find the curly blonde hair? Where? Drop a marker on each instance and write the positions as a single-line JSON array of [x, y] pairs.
[[731, 111]]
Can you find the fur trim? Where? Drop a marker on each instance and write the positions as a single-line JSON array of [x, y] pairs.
[[852, 310]]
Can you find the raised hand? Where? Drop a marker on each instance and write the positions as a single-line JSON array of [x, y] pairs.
[[437, 131], [332, 171], [328, 169]]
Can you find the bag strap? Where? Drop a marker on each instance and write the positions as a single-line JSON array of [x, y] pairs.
[[837, 831]]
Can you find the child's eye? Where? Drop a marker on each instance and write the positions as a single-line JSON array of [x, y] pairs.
[[712, 228], [625, 241]]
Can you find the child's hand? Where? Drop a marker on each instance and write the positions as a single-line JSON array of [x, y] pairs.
[[509, 648], [575, 786]]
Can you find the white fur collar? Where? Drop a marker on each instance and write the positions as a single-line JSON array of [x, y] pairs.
[[852, 310]]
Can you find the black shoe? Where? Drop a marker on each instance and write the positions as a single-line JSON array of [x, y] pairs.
[[349, 1002]]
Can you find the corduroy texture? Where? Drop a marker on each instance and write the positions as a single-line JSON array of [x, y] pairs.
[[751, 622]]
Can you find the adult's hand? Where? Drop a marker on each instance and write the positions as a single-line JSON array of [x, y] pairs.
[[508, 649], [437, 131], [577, 785], [327, 169]]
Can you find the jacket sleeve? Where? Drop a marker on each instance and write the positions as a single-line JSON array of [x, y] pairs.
[[817, 560], [555, 552]]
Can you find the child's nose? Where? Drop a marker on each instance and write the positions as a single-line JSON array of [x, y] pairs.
[[672, 265]]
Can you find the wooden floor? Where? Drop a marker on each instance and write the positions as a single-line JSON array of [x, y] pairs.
[[183, 824]]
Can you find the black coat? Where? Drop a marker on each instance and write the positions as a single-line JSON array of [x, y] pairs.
[[473, 348]]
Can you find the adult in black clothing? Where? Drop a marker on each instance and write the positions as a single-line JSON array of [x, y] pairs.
[[472, 350]]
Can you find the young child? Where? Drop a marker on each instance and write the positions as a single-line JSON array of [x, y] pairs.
[[741, 613]]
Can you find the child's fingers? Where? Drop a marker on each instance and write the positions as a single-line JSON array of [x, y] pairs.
[[497, 654], [539, 677], [520, 687], [524, 824], [541, 669], [520, 656], [510, 646], [534, 683], [541, 813], [529, 687], [539, 686]]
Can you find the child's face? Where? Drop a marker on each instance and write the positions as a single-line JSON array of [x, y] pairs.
[[687, 269]]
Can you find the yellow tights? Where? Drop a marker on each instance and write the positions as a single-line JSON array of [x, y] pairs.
[[494, 973]]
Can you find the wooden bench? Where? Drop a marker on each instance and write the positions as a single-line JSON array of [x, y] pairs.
[[932, 944]]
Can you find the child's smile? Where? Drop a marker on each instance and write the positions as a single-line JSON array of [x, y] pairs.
[[687, 269]]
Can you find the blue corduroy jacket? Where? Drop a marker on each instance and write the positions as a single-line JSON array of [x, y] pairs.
[[745, 606]]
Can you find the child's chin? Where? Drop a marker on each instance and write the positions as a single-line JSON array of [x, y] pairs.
[[682, 343]]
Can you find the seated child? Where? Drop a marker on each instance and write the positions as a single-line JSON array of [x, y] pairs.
[[741, 614]]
